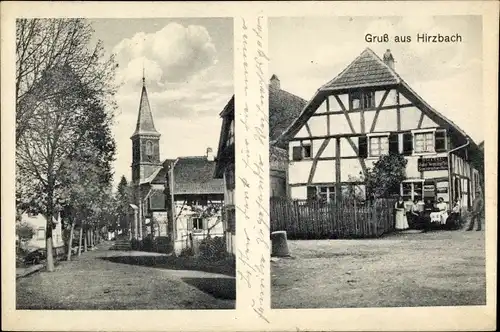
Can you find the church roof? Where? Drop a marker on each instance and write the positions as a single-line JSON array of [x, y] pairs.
[[145, 124]]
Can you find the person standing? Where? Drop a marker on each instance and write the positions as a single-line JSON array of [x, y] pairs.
[[401, 221], [477, 209]]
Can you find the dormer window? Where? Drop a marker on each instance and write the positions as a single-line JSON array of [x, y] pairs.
[[362, 100], [304, 151]]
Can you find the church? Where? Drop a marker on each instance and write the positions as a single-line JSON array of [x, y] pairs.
[[176, 199]]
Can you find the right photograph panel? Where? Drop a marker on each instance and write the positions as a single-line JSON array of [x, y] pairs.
[[376, 162]]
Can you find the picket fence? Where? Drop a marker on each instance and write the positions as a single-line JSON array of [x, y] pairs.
[[345, 219]]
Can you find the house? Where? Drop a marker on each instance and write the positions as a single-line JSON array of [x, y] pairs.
[[39, 224], [225, 170], [367, 111], [284, 107], [189, 207]]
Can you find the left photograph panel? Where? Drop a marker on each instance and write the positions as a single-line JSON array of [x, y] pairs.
[[125, 164]]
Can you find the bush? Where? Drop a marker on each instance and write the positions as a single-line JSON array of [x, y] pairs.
[[135, 244], [213, 249], [148, 244], [185, 252]]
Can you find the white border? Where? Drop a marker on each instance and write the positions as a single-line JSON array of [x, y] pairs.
[[379, 319]]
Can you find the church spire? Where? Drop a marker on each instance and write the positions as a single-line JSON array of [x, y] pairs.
[[145, 124]]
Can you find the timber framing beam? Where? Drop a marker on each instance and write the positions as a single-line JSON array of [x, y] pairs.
[[344, 111], [361, 160], [419, 126], [350, 135], [377, 112], [389, 107], [315, 160], [325, 184]]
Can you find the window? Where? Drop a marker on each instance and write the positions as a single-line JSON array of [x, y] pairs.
[[40, 234], [149, 148], [362, 100], [424, 142], [304, 151], [327, 194], [379, 145], [198, 223], [230, 137], [323, 193]]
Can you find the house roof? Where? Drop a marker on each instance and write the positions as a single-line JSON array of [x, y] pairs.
[[145, 124], [192, 175], [284, 108], [367, 70]]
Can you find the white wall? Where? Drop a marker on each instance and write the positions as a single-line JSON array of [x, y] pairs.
[[39, 224]]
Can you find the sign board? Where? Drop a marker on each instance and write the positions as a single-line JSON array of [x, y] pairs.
[[432, 164]]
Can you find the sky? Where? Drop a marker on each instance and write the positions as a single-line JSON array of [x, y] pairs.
[[188, 66], [306, 53]]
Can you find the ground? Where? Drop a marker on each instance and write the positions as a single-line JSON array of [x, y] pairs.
[[441, 268], [109, 279]]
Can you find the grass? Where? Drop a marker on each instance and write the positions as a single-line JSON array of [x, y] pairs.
[[91, 282], [443, 268]]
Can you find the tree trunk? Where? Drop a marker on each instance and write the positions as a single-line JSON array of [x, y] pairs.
[[80, 241], [70, 244], [85, 239], [91, 236], [48, 231]]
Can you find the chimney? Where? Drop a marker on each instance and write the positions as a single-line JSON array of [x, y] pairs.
[[389, 59], [210, 154], [275, 82]]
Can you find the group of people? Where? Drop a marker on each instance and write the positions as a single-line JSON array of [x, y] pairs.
[[411, 212]]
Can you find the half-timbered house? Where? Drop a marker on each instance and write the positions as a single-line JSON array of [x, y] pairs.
[[367, 111], [186, 209], [284, 108]]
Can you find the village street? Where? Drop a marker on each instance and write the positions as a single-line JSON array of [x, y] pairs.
[[442, 268], [108, 279]]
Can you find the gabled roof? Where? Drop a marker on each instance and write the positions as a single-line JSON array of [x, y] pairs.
[[192, 175], [367, 71], [145, 124], [284, 108]]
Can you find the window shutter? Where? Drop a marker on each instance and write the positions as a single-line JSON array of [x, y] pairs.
[[297, 153], [440, 140], [407, 144], [311, 193], [190, 222], [205, 223], [394, 143], [363, 146]]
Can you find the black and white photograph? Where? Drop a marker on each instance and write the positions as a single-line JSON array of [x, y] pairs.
[[382, 160], [124, 164]]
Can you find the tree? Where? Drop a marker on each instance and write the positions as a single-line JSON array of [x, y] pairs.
[[123, 198], [24, 231], [384, 179], [45, 44], [63, 88]]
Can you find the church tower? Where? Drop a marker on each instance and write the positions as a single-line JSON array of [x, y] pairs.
[[145, 141]]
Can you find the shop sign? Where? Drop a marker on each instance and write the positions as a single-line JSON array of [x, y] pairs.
[[432, 164]]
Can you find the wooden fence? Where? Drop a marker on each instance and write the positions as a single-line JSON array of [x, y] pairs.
[[336, 220]]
